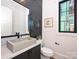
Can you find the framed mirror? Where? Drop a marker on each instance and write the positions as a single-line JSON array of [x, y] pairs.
[[67, 16], [14, 18]]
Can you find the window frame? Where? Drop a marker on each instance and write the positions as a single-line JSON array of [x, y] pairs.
[[75, 17]]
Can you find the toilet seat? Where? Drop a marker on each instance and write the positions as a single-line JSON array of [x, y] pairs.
[[46, 51]]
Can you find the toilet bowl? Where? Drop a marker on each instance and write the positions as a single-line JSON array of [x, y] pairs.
[[46, 53]]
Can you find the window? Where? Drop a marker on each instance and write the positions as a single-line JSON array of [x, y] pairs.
[[67, 16]]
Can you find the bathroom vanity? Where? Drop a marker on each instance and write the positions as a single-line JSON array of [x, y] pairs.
[[31, 52]]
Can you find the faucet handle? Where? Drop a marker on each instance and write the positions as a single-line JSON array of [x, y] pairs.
[[18, 34]]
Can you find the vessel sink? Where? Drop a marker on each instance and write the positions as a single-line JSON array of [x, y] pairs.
[[18, 44]]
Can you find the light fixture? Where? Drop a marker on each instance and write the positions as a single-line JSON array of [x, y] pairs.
[[22, 0]]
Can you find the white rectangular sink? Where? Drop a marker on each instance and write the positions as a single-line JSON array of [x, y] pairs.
[[18, 44]]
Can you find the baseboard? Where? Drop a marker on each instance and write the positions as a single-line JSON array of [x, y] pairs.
[[61, 56]]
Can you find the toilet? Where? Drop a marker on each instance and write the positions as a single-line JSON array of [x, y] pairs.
[[46, 53]]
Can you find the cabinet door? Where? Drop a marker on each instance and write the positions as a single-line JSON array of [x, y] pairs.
[[24, 55], [35, 52]]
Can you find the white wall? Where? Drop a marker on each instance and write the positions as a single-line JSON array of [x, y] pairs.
[[67, 41], [19, 16]]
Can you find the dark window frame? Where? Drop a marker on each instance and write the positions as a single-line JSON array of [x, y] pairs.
[[75, 17]]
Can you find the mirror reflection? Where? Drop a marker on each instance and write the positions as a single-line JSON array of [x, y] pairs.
[[14, 18]]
